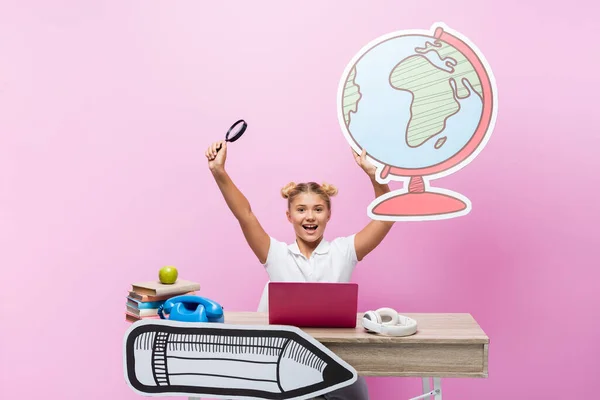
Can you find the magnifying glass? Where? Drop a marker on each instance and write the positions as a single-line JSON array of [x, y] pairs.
[[235, 132]]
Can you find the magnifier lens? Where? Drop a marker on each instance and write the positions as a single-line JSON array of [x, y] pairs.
[[236, 131]]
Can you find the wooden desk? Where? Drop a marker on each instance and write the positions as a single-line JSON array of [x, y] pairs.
[[445, 346]]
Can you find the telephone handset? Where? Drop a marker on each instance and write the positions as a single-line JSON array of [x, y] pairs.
[[191, 308]]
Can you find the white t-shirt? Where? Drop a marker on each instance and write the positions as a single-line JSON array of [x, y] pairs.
[[330, 262]]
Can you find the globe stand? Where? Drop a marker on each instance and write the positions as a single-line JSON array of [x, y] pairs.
[[418, 203]]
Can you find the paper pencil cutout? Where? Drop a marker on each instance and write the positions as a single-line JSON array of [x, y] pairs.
[[164, 357]]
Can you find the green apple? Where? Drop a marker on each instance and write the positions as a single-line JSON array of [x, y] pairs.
[[168, 275]]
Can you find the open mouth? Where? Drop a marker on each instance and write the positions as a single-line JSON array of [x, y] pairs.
[[310, 227]]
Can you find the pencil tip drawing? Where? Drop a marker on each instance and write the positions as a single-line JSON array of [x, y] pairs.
[[165, 357]]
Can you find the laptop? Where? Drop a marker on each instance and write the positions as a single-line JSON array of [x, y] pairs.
[[313, 304]]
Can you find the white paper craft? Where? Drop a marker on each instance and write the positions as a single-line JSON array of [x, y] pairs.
[[422, 104], [174, 358]]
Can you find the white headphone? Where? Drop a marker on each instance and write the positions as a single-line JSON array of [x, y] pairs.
[[388, 322]]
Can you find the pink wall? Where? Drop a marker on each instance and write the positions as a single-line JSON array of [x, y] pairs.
[[105, 112]]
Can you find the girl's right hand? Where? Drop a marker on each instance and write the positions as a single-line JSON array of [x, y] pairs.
[[216, 160]]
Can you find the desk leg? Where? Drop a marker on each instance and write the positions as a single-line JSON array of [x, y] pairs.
[[427, 392], [437, 388], [426, 385]]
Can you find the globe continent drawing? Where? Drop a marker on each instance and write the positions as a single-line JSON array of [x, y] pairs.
[[420, 104]]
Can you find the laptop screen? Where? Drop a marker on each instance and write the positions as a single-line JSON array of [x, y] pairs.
[[313, 304]]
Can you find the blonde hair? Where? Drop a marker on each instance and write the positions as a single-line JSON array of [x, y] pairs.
[[325, 190]]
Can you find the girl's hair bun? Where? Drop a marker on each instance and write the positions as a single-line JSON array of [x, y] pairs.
[[330, 190], [287, 189]]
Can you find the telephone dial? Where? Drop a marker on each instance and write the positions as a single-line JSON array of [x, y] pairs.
[[191, 308]]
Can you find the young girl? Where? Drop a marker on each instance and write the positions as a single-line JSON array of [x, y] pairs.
[[310, 258]]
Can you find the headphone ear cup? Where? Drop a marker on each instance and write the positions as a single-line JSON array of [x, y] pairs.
[[371, 321], [387, 316], [373, 316]]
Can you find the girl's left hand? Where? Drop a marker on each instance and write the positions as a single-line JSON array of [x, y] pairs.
[[365, 164]]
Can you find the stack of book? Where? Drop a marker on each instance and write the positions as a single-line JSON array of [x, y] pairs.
[[145, 298]]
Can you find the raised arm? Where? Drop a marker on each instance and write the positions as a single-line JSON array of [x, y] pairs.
[[255, 235], [371, 235]]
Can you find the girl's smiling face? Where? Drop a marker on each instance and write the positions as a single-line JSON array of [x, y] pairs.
[[309, 215]]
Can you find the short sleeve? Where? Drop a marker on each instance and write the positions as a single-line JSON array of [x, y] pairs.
[[346, 250], [352, 249], [277, 252]]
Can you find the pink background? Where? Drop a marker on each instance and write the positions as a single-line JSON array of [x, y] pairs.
[[106, 109]]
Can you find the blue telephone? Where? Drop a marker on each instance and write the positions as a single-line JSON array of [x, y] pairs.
[[191, 308]]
